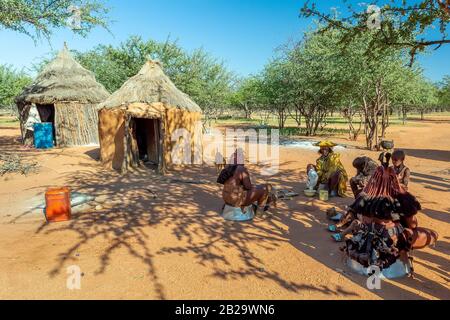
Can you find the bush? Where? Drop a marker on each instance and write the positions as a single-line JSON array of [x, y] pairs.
[[10, 163], [12, 83]]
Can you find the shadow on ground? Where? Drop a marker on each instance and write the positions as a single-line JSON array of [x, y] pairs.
[[143, 199], [431, 182], [437, 155]]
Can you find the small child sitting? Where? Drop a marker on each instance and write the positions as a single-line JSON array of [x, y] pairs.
[[401, 170]]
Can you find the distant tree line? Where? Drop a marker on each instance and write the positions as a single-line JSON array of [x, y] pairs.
[[203, 77], [307, 81], [313, 78], [343, 67]]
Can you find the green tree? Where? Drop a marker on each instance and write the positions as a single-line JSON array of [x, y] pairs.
[[429, 98], [206, 80], [114, 65], [393, 24], [39, 18], [12, 82], [414, 94], [247, 95], [307, 81], [315, 76], [275, 90], [367, 86], [198, 74], [444, 93]]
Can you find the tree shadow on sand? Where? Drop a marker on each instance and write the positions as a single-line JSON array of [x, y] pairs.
[[431, 182], [200, 230], [142, 200], [306, 231], [121, 223], [443, 216]]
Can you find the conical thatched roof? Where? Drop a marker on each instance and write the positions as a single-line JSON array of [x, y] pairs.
[[150, 85], [64, 79]]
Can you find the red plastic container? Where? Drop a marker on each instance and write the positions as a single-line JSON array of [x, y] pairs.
[[57, 202]]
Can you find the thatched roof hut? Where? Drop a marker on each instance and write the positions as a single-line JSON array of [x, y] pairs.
[[66, 94], [139, 123]]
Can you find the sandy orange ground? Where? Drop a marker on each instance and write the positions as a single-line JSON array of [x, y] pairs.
[[177, 247]]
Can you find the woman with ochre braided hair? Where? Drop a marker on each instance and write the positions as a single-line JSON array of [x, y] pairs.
[[238, 190], [388, 229]]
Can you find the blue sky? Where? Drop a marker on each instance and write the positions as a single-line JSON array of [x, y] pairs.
[[244, 33]]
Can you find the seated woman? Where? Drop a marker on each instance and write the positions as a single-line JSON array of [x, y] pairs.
[[388, 228], [330, 170], [238, 190], [365, 168]]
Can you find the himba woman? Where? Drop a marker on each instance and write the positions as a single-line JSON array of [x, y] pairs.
[[238, 190], [330, 170], [388, 229]]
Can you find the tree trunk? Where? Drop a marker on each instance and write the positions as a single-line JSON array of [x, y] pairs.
[[248, 112], [404, 112], [281, 118], [385, 120], [373, 110]]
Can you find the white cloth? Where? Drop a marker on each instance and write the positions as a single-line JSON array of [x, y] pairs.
[[33, 117]]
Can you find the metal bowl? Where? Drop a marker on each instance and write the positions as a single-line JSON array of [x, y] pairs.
[[387, 145], [309, 193]]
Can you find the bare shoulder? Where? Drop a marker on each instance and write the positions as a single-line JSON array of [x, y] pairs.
[[241, 171]]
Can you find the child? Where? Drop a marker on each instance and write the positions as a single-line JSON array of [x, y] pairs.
[[401, 170]]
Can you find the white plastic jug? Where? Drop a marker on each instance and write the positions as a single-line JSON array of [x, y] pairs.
[[313, 178]]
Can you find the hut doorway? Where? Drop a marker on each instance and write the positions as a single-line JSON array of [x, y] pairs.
[[47, 114], [147, 141]]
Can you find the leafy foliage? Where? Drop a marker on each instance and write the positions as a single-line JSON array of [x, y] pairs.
[[403, 24], [444, 93], [198, 74], [12, 83], [314, 77], [39, 18]]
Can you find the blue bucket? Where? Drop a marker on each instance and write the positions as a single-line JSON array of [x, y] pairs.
[[43, 135]]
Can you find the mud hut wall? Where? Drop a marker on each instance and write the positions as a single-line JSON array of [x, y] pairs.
[[112, 124], [111, 128], [76, 124], [180, 119]]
